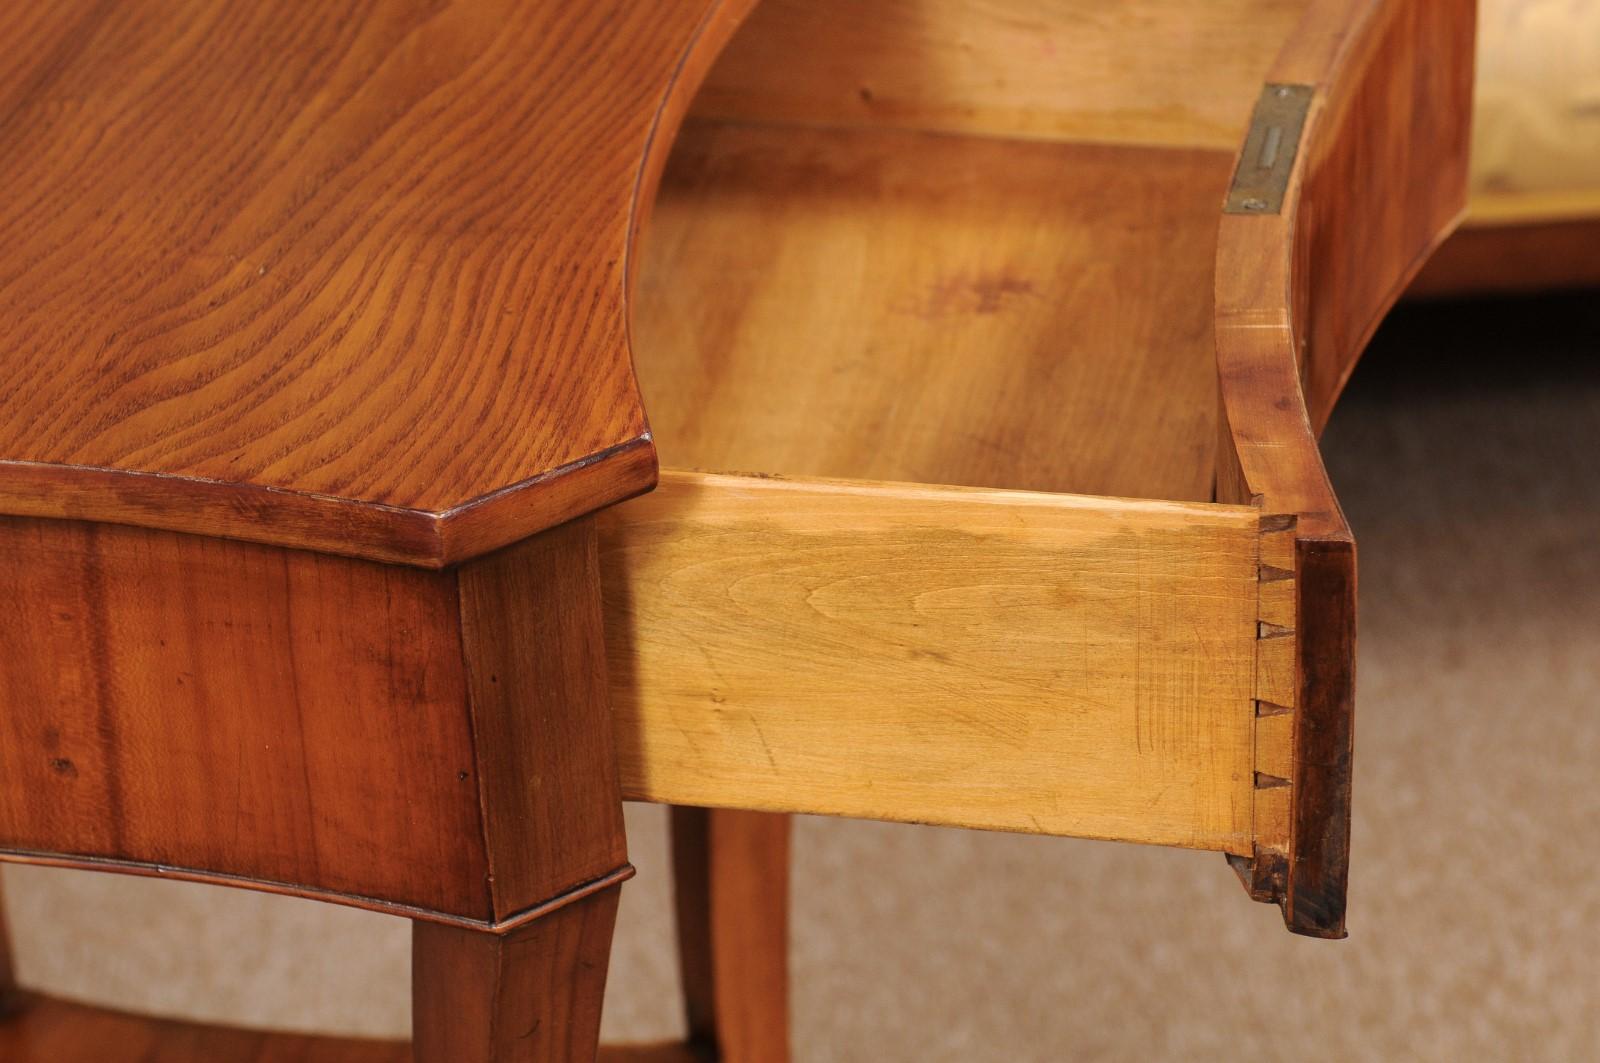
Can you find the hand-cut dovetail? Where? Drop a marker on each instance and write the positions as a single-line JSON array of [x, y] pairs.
[[1274, 574], [1278, 522], [1269, 782], [1265, 630], [1271, 708]]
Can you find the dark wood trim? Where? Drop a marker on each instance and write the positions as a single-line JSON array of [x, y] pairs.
[[285, 889], [1319, 857], [339, 526]]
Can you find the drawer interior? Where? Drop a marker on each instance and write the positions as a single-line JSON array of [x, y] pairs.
[[952, 242], [970, 245]]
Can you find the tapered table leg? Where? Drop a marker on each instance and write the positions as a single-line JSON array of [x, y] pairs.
[[731, 873], [527, 987], [532, 995]]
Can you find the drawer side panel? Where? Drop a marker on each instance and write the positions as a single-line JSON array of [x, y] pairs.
[[1006, 660]]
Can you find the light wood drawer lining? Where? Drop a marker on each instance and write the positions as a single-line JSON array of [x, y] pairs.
[[1010, 660]]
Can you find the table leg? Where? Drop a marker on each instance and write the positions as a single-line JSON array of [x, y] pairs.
[[530, 995], [731, 872]]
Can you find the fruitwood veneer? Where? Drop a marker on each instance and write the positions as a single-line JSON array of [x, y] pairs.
[[314, 325], [345, 278]]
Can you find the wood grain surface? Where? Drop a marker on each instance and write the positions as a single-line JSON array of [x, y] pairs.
[[346, 277], [1401, 93], [534, 648], [1536, 120], [1139, 71], [1299, 294], [1533, 220], [878, 302], [1514, 257], [731, 894], [428, 743], [938, 309], [1008, 660], [885, 303], [530, 996], [180, 702]]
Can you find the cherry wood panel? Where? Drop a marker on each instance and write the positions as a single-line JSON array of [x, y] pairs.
[[1045, 663], [347, 277], [281, 716], [1514, 257], [731, 887], [1298, 296], [1390, 147], [529, 996], [536, 668], [432, 744], [957, 310], [380, 735], [1141, 71]]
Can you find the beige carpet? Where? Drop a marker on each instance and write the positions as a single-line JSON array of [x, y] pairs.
[[1468, 457]]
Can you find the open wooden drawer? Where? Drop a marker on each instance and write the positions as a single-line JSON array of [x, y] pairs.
[[984, 264]]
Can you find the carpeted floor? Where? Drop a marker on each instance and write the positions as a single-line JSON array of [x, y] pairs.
[[1467, 453]]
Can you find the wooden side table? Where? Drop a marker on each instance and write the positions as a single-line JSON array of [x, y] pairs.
[[317, 340]]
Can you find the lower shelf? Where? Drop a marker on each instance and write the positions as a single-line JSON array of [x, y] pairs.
[[38, 1029]]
